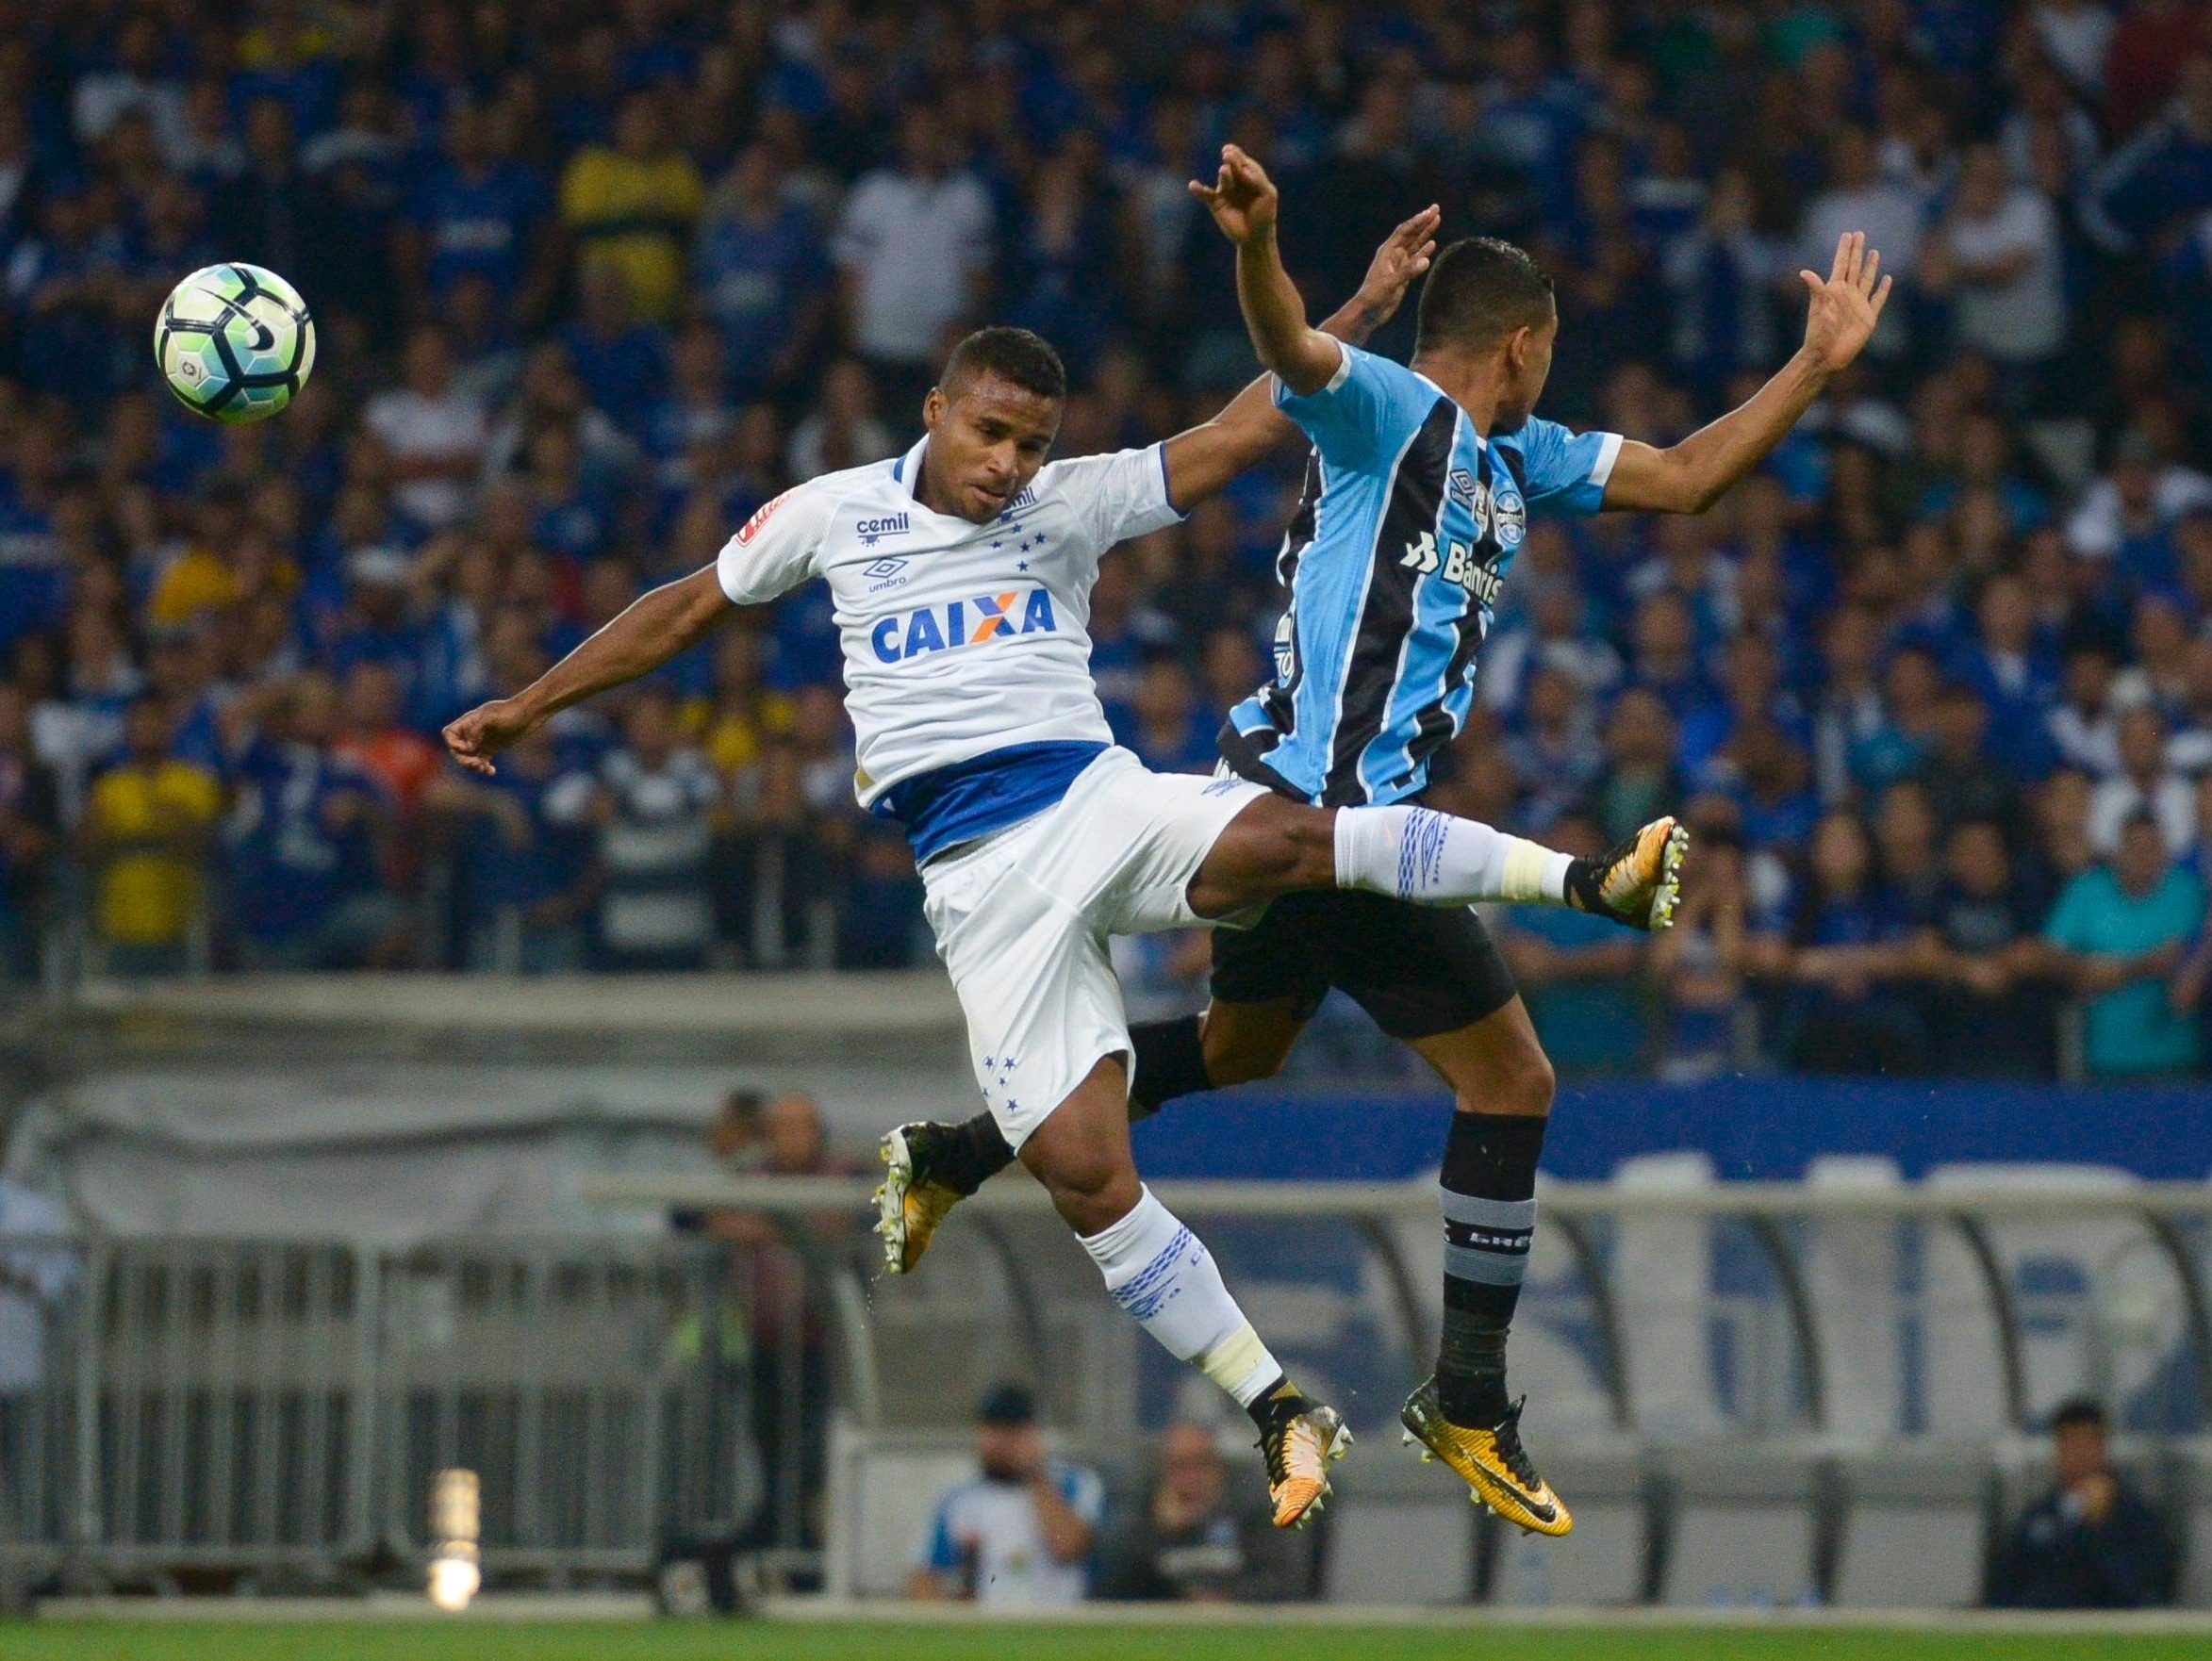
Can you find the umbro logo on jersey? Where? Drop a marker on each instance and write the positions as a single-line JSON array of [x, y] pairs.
[[963, 622], [1464, 485], [1456, 563], [880, 568], [871, 532]]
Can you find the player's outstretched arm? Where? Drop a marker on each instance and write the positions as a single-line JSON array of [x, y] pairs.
[[653, 629], [1243, 203], [1202, 461], [1692, 475]]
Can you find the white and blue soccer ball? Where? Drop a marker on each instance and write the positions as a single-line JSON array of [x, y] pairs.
[[235, 342]]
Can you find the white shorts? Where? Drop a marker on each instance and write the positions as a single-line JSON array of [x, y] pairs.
[[1022, 918]]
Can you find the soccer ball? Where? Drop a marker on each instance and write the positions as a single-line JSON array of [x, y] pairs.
[[235, 342]]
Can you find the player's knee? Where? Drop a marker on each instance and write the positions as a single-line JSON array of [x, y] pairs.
[[1091, 1190], [1521, 1081], [1240, 1058], [1301, 847]]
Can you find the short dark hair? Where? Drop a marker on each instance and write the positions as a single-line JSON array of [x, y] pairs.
[[1020, 355], [1478, 292], [2080, 1410], [1007, 1402]]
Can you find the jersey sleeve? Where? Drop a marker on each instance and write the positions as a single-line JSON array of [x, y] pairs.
[[774, 550], [1082, 1491], [940, 1550], [1368, 410], [1566, 471], [1116, 496]]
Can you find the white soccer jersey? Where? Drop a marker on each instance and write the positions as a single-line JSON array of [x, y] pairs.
[[960, 639]]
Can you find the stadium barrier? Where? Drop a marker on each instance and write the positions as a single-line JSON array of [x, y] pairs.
[[280, 1411], [1722, 1367]]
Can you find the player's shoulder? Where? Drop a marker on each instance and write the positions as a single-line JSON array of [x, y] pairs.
[[1076, 476], [811, 503], [1531, 434], [961, 1497]]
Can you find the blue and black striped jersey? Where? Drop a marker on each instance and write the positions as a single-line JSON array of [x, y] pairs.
[[1409, 523]]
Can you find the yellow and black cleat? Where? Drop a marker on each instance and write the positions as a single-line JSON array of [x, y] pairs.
[[1637, 881], [1298, 1450], [913, 1199], [1492, 1462]]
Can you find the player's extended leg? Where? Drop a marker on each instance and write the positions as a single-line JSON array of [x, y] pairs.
[[930, 1166], [1276, 847], [1162, 1275], [1502, 1088], [1273, 848]]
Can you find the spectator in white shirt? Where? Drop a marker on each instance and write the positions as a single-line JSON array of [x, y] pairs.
[[435, 433], [914, 255], [2074, 36], [652, 802], [1020, 1534], [2086, 726], [2146, 783], [1858, 198], [1996, 256], [2142, 493], [842, 430], [140, 80]]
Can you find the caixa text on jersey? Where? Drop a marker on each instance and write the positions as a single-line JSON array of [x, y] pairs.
[[963, 622]]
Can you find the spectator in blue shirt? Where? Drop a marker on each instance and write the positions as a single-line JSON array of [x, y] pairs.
[[305, 891], [1848, 948], [2092, 1543], [2118, 935], [475, 214], [523, 878], [622, 362], [762, 272]]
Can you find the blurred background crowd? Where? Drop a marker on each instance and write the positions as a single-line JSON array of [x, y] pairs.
[[594, 280]]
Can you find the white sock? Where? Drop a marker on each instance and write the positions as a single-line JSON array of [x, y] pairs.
[[1162, 1273], [1433, 859]]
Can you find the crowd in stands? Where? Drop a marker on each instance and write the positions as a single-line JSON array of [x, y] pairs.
[[596, 278]]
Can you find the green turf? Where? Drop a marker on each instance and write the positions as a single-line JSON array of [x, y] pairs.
[[781, 1641]]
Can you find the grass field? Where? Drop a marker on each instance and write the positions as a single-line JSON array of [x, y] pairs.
[[103, 1641]]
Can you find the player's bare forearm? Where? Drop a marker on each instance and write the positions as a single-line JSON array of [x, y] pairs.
[[1204, 459], [1244, 203], [1840, 315], [651, 629], [1275, 317], [1690, 477]]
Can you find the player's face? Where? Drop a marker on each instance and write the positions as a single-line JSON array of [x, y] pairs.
[[986, 443], [1528, 366]]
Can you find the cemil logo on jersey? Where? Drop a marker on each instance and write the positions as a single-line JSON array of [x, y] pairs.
[[1458, 564], [963, 622], [871, 532]]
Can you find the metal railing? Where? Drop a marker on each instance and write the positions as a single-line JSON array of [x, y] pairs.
[[280, 1409], [1990, 1233]]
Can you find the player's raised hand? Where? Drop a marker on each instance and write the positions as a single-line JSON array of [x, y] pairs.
[[1404, 255], [1847, 306], [1242, 199], [475, 738]]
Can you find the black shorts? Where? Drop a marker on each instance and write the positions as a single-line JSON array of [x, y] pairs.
[[1417, 970]]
